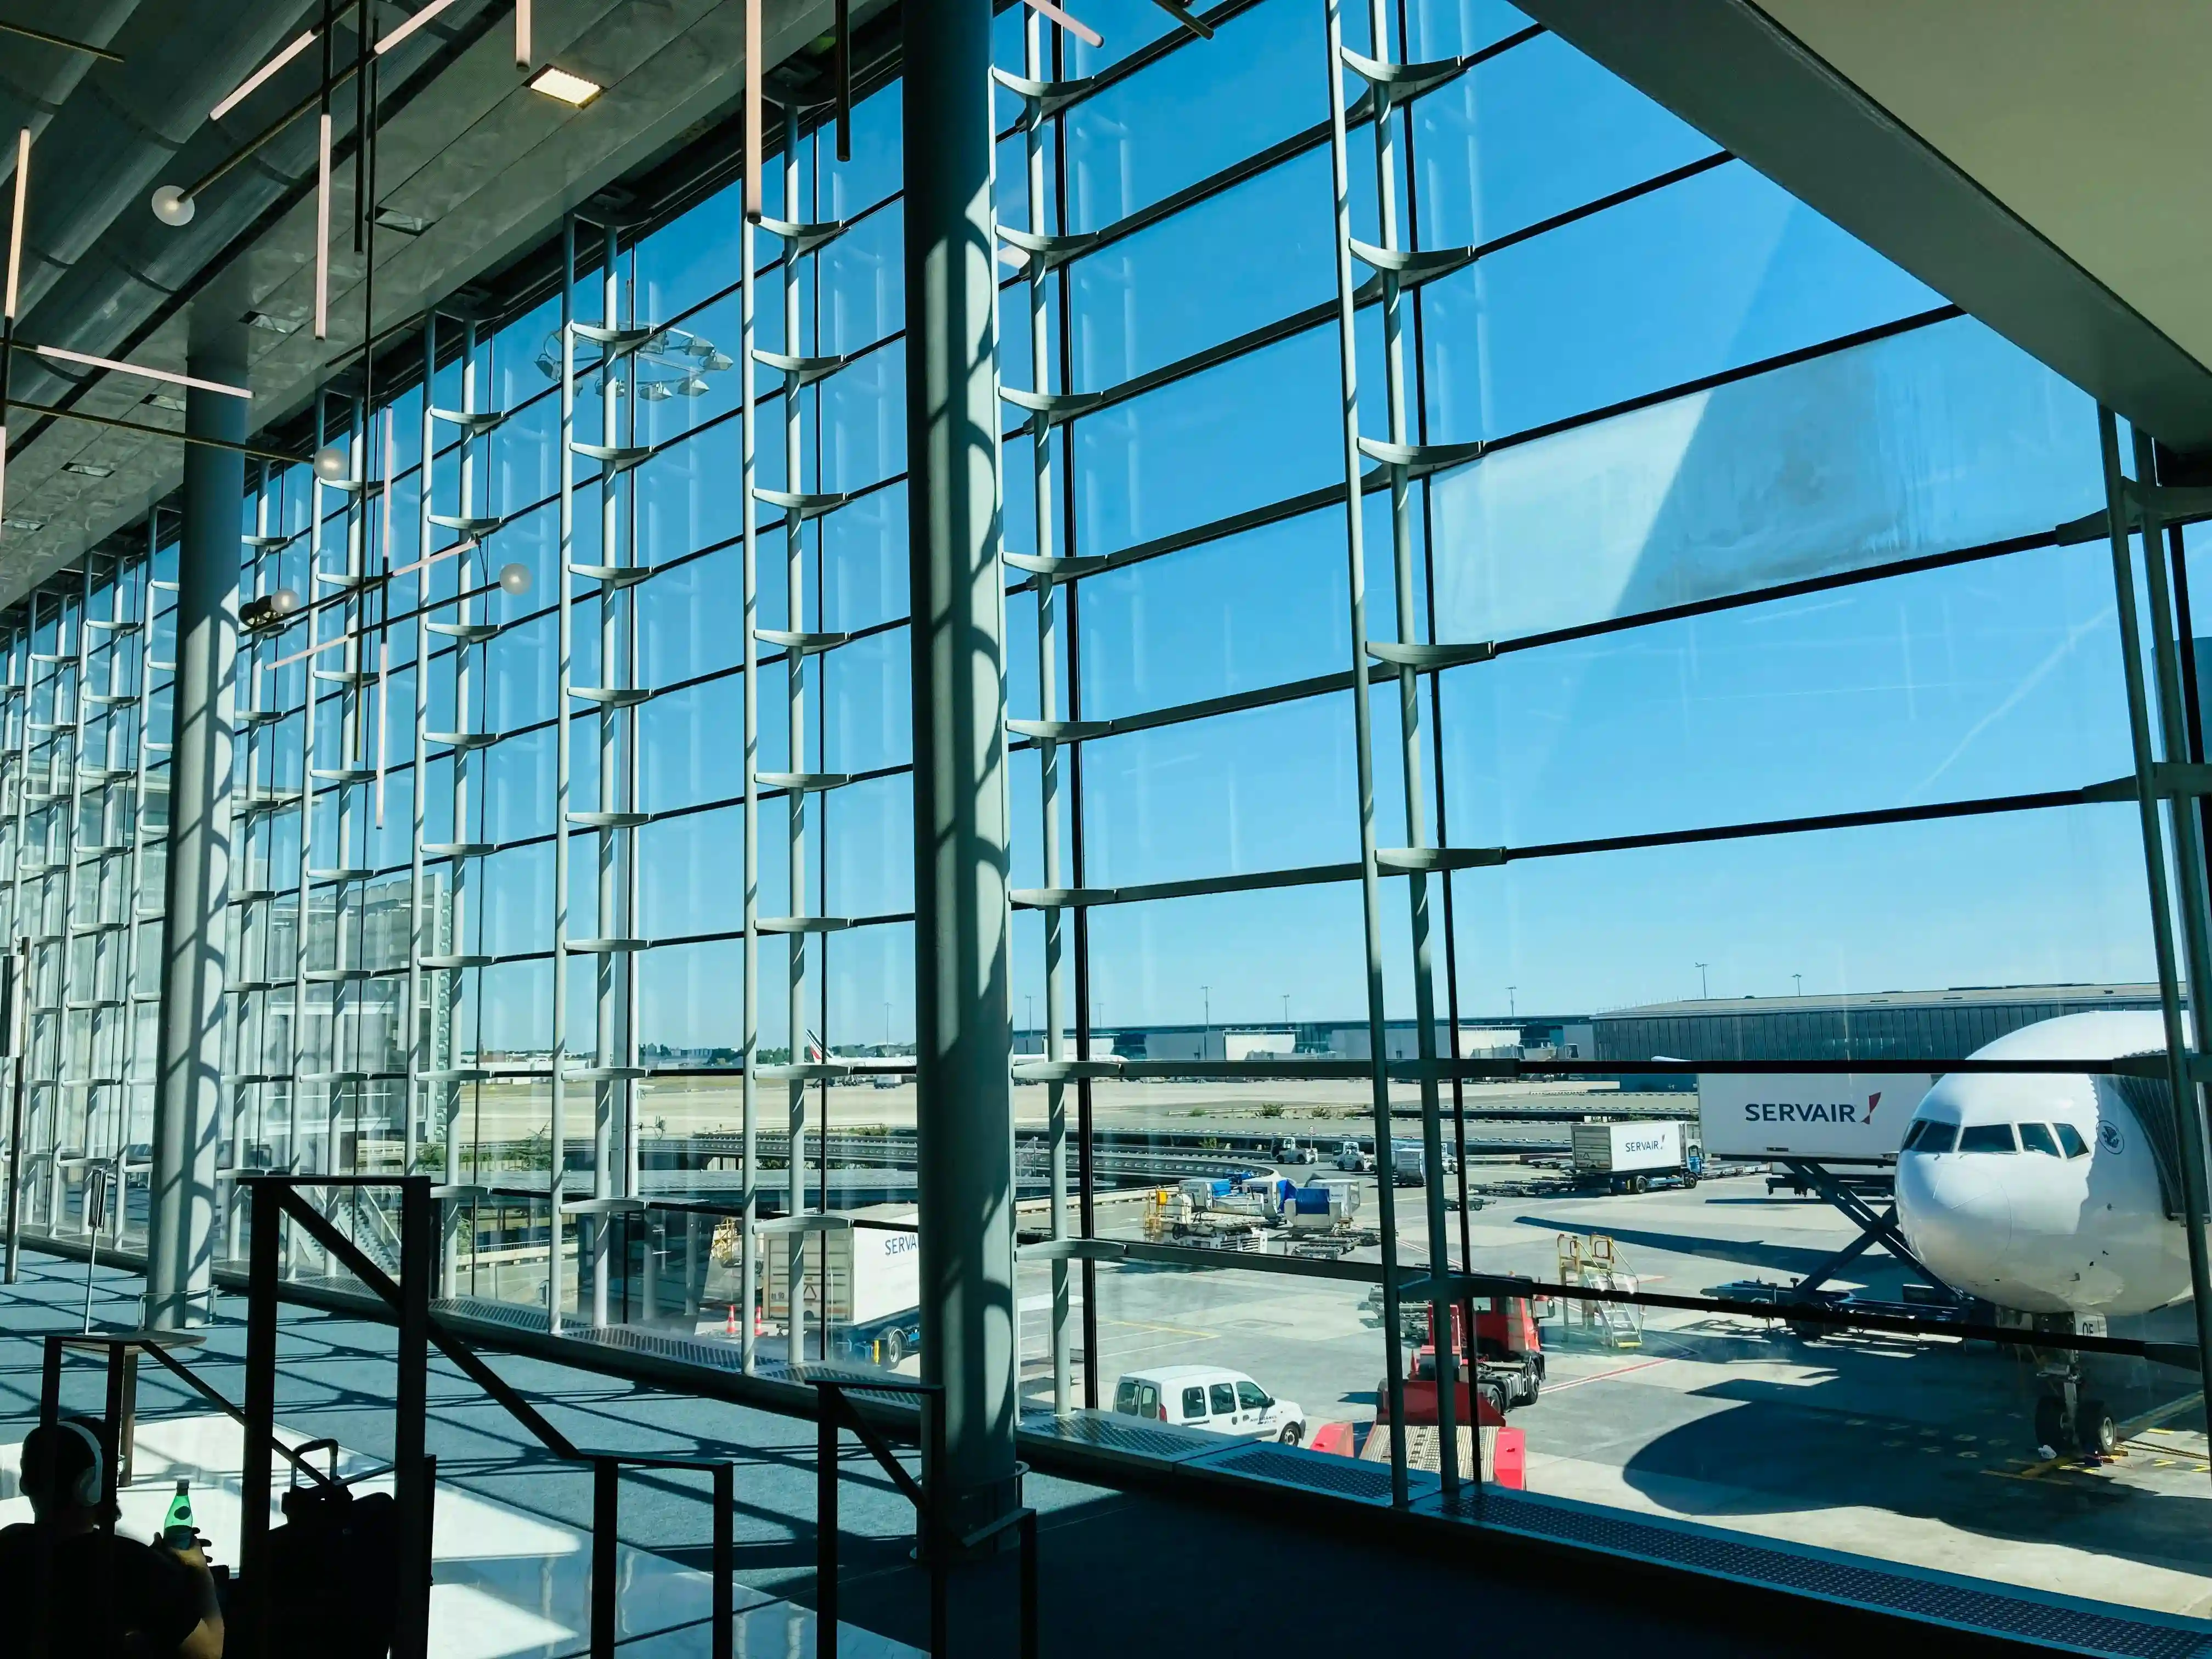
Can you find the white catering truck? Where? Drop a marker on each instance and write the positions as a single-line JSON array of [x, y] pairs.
[[1843, 1117], [874, 1299], [1624, 1157]]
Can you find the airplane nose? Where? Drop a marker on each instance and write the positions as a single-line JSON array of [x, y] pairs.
[[1955, 1213]]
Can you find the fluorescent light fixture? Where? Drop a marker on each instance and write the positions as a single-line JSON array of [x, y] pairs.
[[246, 87], [322, 228], [164, 400], [109, 363], [568, 88], [28, 526], [16, 226], [88, 469], [1053, 14], [522, 34], [410, 25], [755, 151], [262, 319]]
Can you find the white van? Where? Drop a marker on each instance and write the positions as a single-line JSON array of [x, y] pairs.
[[1206, 1397]]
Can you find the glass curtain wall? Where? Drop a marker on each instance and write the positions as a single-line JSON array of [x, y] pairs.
[[1480, 559]]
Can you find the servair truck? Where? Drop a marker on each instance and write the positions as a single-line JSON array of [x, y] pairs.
[[874, 1291], [1632, 1157]]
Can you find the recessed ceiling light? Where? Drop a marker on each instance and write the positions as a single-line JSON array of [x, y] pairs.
[[568, 88], [28, 525], [88, 469], [262, 319], [406, 224], [163, 400]]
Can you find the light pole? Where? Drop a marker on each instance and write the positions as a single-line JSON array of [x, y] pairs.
[[1206, 992], [1799, 979], [1705, 991], [1509, 1012], [1286, 1008], [1031, 1000]]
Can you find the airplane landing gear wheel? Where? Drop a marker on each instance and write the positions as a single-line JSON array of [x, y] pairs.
[[2051, 1422], [2100, 1436]]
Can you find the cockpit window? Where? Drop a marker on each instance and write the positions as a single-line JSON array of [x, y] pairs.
[[2070, 1139], [1987, 1138], [2036, 1137], [1930, 1135]]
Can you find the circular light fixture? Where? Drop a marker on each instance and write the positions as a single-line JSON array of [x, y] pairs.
[[332, 465], [172, 207], [284, 601], [515, 578]]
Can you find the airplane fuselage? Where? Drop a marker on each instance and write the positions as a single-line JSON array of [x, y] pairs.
[[2040, 1191]]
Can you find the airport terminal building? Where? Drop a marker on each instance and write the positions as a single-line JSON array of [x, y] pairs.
[[769, 771], [1873, 1027]]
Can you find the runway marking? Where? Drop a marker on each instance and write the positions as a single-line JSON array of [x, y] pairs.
[[1576, 1382]]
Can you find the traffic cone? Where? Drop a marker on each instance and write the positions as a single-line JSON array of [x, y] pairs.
[[730, 1325]]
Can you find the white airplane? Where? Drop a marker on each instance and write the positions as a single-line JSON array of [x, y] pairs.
[[2054, 1194]]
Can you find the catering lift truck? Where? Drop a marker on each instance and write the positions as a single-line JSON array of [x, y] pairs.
[[1835, 1135]]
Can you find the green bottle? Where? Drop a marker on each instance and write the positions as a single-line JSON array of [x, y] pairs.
[[178, 1531]]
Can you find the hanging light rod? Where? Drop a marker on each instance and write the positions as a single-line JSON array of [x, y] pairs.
[[15, 226], [246, 87], [410, 25], [245, 152], [323, 227], [61, 40], [1075, 26], [61, 355]]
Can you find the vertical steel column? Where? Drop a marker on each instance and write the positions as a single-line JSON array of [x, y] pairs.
[[564, 653], [68, 728], [1363, 744], [748, 439], [19, 1026], [1409, 719], [250, 1010], [1047, 727], [197, 885], [604, 1149], [135, 874], [297, 1065], [963, 1034], [794, 668], [2179, 1049], [454, 954], [2184, 1045], [419, 1059]]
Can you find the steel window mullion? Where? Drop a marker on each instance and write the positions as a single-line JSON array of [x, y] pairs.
[[1363, 736], [1409, 724], [564, 664], [2179, 1051], [748, 436], [419, 1059], [797, 961], [1040, 436]]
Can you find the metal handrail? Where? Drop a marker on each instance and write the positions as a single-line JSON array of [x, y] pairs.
[[835, 1410], [409, 1299]]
